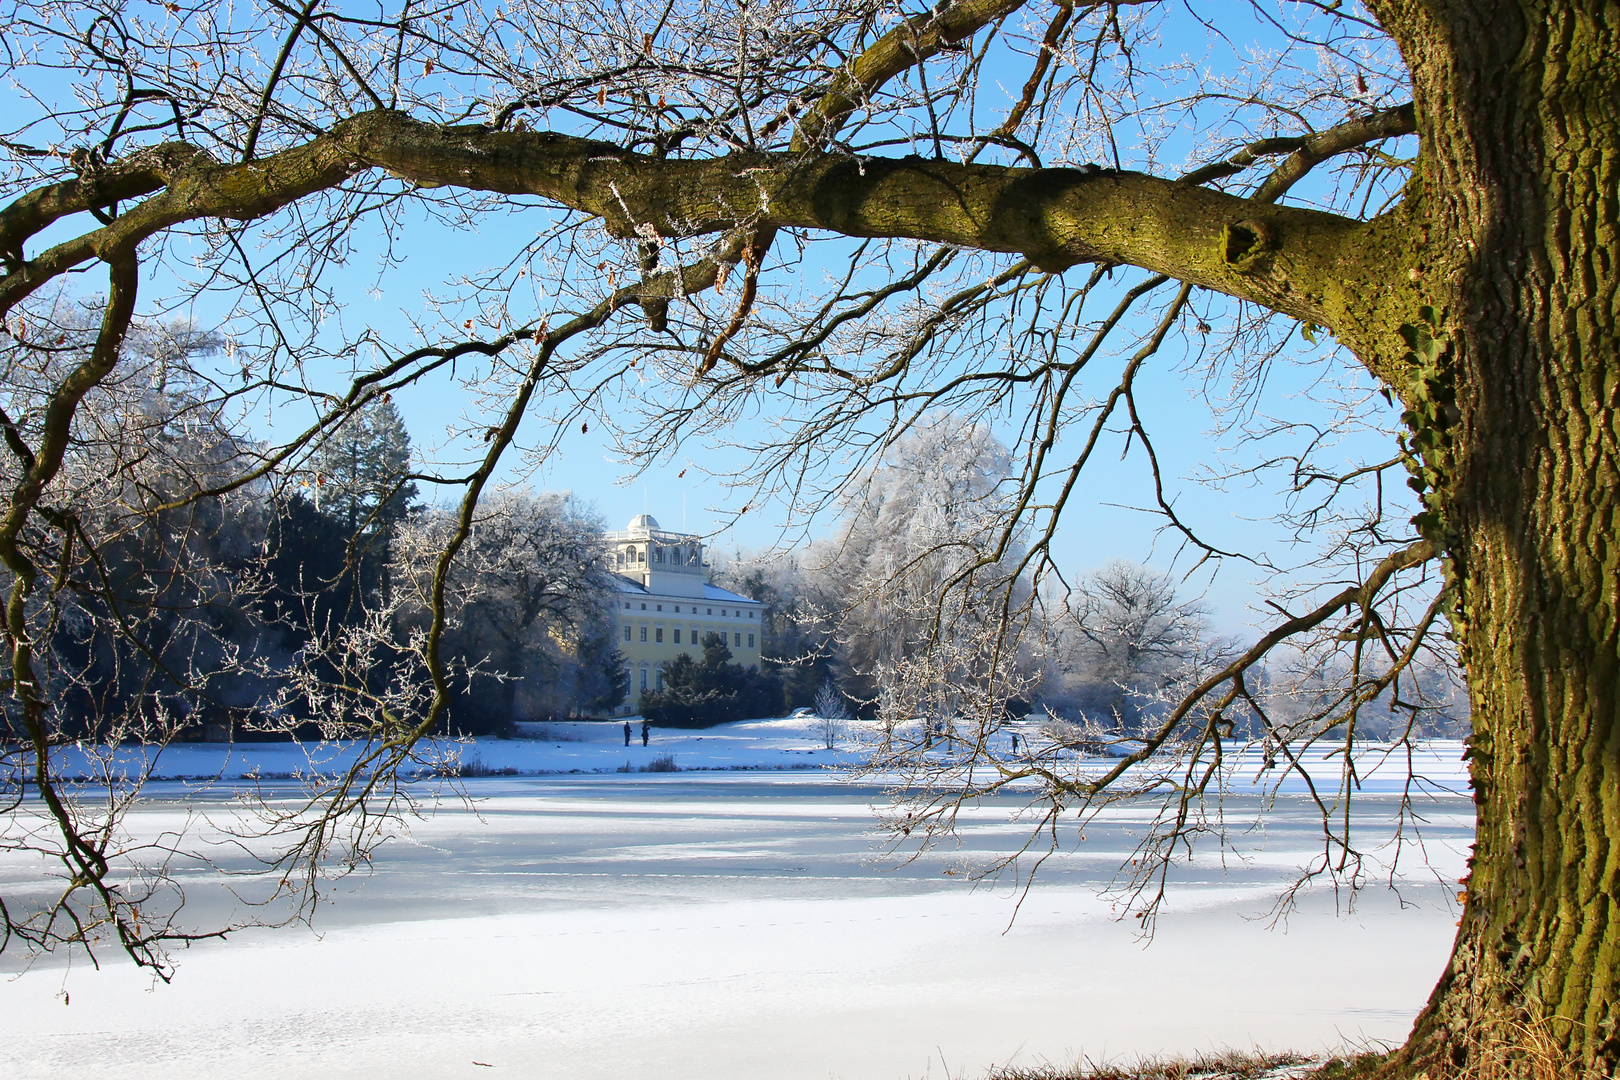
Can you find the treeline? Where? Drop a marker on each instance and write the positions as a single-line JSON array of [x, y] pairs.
[[921, 567], [199, 593]]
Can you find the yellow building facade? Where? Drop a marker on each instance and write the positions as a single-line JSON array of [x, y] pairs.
[[666, 605]]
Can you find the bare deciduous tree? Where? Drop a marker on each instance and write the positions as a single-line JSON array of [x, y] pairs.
[[915, 558], [1123, 640], [530, 595], [1430, 184], [832, 714]]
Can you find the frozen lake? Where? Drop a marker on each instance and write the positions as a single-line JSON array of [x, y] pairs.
[[725, 925]]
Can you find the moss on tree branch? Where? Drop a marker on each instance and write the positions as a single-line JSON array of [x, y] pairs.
[[1055, 217]]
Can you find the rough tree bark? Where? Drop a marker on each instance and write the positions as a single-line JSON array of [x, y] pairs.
[[1514, 211]]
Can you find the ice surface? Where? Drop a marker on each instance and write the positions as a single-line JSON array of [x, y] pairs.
[[743, 925]]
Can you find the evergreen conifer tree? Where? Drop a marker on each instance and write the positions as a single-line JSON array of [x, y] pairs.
[[359, 472]]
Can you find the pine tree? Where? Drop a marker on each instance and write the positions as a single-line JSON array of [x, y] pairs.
[[359, 472]]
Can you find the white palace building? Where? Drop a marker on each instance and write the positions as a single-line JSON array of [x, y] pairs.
[[666, 605]]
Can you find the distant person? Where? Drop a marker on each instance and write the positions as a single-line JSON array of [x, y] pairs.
[[627, 733], [646, 732], [1015, 742]]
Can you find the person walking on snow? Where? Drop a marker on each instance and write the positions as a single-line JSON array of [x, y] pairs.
[[646, 732], [627, 733]]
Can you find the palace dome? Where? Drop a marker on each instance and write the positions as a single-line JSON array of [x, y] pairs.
[[643, 521]]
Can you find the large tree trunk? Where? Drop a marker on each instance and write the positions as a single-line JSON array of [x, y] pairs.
[[1519, 107]]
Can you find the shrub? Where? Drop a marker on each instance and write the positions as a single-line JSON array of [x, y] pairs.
[[474, 766], [701, 693]]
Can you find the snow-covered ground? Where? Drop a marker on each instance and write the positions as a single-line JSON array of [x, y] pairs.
[[740, 924], [542, 748], [599, 747]]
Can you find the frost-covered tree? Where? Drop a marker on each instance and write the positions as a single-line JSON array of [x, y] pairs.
[[531, 636], [149, 628], [796, 637], [1122, 641], [919, 541], [832, 714], [916, 537]]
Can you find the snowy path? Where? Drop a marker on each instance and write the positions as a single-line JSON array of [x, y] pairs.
[[735, 925]]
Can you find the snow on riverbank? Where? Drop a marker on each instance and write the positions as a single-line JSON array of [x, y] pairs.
[[773, 744], [731, 925], [735, 920], [583, 746]]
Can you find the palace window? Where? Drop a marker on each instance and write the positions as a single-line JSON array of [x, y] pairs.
[[643, 633], [677, 635], [750, 641], [659, 634], [627, 631], [738, 642]]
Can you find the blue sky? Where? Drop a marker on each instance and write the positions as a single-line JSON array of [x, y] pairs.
[[1099, 526]]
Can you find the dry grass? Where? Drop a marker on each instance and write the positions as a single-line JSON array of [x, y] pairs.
[[1530, 1052], [1355, 1067], [1526, 1049], [1225, 1065]]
